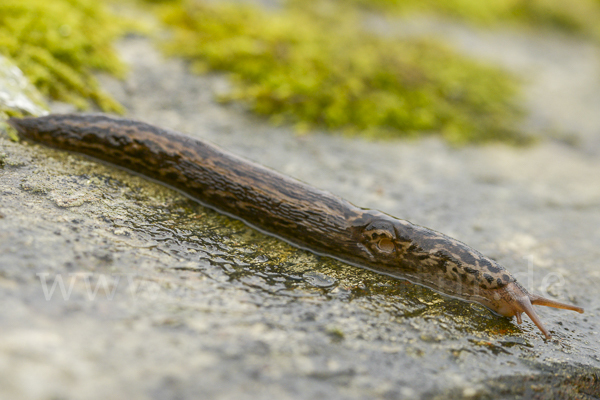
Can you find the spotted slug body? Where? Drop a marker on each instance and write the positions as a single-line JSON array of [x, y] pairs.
[[296, 212]]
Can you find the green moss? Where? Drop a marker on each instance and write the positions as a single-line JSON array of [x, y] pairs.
[[576, 16], [311, 66], [59, 43]]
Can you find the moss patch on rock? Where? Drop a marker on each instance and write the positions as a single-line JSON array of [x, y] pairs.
[[59, 43], [311, 64]]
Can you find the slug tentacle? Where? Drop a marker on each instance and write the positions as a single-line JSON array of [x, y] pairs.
[[527, 308], [291, 210], [537, 300]]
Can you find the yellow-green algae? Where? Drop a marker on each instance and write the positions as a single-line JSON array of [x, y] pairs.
[[58, 44], [574, 16], [310, 63]]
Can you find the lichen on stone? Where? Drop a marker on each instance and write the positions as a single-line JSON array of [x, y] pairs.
[[17, 95]]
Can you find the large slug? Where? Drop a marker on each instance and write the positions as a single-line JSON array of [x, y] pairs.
[[298, 213]]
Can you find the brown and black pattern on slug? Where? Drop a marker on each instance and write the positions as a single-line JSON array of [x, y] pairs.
[[387, 239], [307, 217]]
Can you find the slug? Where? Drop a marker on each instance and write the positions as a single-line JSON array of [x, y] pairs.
[[304, 216]]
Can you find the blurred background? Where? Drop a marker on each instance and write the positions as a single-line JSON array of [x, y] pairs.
[[377, 68]]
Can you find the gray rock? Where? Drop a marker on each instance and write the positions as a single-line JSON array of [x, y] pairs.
[[192, 304]]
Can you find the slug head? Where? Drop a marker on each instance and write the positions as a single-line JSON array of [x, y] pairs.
[[514, 300], [384, 241]]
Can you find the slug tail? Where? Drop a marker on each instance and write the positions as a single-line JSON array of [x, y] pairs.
[[14, 122], [25, 126], [542, 301]]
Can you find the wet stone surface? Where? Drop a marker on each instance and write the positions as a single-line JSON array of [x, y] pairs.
[[193, 304]]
